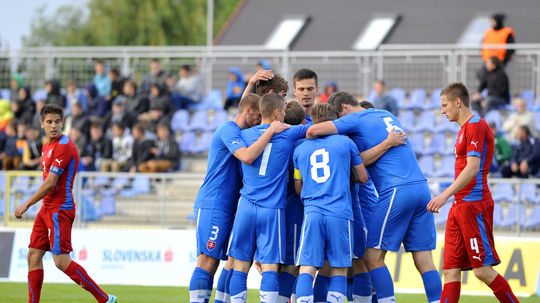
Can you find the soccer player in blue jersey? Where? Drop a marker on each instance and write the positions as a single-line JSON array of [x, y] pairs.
[[216, 201], [322, 173], [306, 87], [401, 215], [259, 228]]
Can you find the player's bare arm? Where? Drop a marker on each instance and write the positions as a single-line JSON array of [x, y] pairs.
[[395, 138], [248, 154], [321, 129], [259, 75], [47, 185], [298, 186], [469, 172], [359, 174]]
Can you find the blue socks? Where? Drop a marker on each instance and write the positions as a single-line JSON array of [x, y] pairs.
[[198, 285], [286, 286], [337, 291], [362, 291], [320, 290], [220, 289], [304, 288], [209, 288], [227, 295], [269, 290], [432, 285], [238, 287], [350, 284], [383, 284]]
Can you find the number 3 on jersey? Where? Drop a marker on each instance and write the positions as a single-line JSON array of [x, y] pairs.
[[316, 166]]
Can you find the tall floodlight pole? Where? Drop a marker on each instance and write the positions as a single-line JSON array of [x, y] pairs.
[[209, 43]]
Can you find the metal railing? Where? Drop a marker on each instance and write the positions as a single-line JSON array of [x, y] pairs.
[[406, 66], [165, 200]]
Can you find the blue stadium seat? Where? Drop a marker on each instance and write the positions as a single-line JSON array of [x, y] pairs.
[[528, 96], [213, 100], [494, 116], [400, 96], [220, 117], [437, 145], [446, 168], [187, 142], [426, 122], [427, 165], [528, 192], [417, 99], [40, 94], [107, 206], [434, 100], [417, 143], [88, 209], [503, 192], [537, 120], [442, 216], [199, 121], [407, 120], [100, 181], [533, 221], [497, 215], [139, 186], [120, 183], [180, 120], [447, 126], [511, 216], [5, 94], [2, 183], [203, 144], [21, 185]]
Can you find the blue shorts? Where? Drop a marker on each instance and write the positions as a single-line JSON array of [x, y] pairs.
[[213, 229], [258, 233], [292, 242], [360, 234], [401, 216], [325, 238]]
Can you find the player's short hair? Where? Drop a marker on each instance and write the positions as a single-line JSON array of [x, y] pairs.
[[51, 109], [456, 90], [277, 83], [303, 74], [322, 112], [119, 124], [115, 71], [366, 104], [336, 100], [526, 129], [294, 113], [131, 83], [138, 126], [269, 103], [251, 100]]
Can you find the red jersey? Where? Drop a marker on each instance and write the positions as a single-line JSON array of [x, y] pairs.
[[474, 139], [60, 157]]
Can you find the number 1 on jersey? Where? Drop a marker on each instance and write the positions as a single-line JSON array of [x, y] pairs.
[[264, 160]]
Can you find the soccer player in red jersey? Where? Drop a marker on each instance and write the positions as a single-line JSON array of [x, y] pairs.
[[468, 239], [52, 227]]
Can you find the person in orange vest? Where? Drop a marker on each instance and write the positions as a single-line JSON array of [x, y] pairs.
[[498, 34]]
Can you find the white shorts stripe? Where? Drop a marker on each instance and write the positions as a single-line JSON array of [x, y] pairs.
[[301, 240], [386, 219], [279, 236], [350, 246]]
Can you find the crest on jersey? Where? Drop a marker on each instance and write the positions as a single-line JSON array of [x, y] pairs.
[[210, 245]]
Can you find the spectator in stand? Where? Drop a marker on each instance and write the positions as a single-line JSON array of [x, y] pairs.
[[98, 148], [15, 85], [117, 84], [187, 89], [329, 88], [74, 95], [36, 120], [522, 117], [78, 119], [383, 100], [3, 138], [525, 157], [141, 151], [156, 117], [498, 34], [31, 156], [496, 82], [136, 103], [78, 139], [118, 114], [53, 93], [263, 65], [101, 80], [11, 158], [235, 88], [503, 149], [166, 155], [158, 95], [155, 76], [96, 105], [122, 147], [24, 107]]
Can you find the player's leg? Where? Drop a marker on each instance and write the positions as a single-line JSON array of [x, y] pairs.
[[497, 283], [221, 289], [322, 282], [289, 271], [227, 297], [337, 291], [304, 286], [339, 251], [379, 274], [361, 282], [239, 281], [39, 244], [310, 256], [423, 261]]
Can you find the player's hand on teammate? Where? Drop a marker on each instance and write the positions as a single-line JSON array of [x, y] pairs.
[[261, 75], [436, 203], [396, 138], [21, 210], [277, 127]]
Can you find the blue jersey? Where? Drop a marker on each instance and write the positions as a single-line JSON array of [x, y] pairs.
[[265, 180], [294, 212], [367, 193], [370, 127], [325, 169], [308, 120], [221, 185]]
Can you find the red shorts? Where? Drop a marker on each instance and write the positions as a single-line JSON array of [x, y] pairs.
[[468, 241], [52, 230]]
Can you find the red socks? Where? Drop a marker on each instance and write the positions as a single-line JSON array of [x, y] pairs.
[[450, 292], [502, 290], [79, 276], [35, 280]]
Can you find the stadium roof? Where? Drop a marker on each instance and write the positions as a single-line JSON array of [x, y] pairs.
[[337, 24]]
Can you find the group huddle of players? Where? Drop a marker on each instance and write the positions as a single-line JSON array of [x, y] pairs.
[[295, 198]]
